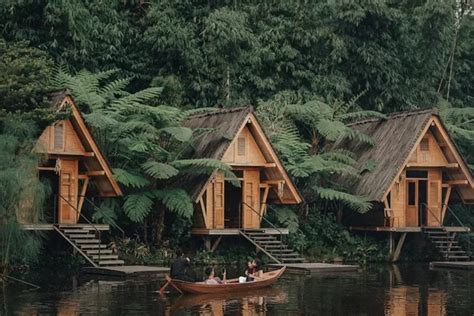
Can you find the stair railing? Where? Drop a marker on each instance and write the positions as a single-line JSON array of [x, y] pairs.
[[97, 208], [266, 220], [79, 215], [462, 225], [432, 213], [297, 228]]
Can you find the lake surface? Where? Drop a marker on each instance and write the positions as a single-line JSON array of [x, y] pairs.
[[410, 289]]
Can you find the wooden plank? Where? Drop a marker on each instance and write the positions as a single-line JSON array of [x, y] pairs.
[[457, 182], [263, 204], [216, 243], [95, 173], [46, 168], [203, 212], [445, 202], [219, 200], [398, 249], [82, 196], [68, 189], [251, 198]]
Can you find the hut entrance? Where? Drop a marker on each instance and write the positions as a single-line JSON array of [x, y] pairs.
[[233, 196], [417, 198]]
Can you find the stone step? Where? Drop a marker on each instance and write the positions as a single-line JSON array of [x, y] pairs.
[[96, 251], [104, 257], [86, 241], [92, 246], [79, 236], [111, 262]]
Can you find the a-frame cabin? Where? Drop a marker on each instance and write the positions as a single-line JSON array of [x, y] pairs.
[[418, 172], [222, 208], [74, 161], [77, 170]]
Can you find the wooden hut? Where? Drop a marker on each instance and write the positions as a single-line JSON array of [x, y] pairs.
[[74, 161], [237, 139], [418, 171]]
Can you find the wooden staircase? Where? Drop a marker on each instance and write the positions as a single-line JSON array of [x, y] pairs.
[[272, 246], [446, 243], [84, 239]]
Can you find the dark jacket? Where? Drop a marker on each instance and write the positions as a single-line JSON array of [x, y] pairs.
[[178, 268]]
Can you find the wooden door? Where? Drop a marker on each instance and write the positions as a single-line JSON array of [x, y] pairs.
[[412, 203], [434, 204], [251, 199], [219, 200], [68, 186]]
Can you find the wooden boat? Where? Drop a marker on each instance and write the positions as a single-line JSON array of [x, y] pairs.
[[267, 279]]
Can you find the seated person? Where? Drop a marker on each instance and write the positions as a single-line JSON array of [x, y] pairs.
[[251, 271], [179, 267], [212, 279]]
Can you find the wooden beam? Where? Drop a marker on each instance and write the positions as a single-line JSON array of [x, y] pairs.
[[82, 176], [81, 197], [263, 205], [398, 249], [452, 165], [203, 211], [274, 182], [216, 243], [46, 168], [445, 203], [95, 173], [265, 165], [457, 182], [89, 154]]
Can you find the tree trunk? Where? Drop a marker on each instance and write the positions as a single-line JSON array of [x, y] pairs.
[[159, 225]]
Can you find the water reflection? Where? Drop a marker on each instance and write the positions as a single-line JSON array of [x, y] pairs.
[[244, 304], [386, 290]]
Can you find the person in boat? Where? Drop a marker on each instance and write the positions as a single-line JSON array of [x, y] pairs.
[[251, 271], [211, 277], [179, 267]]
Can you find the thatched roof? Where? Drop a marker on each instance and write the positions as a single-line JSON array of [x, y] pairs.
[[224, 125], [394, 138]]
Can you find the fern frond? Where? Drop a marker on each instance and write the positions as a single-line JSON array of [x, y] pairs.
[[177, 201], [129, 180], [159, 170], [138, 206]]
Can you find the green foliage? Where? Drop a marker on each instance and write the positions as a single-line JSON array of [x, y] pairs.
[[24, 75], [302, 132], [21, 195], [322, 239]]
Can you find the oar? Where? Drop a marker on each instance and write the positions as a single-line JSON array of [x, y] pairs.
[[162, 290]]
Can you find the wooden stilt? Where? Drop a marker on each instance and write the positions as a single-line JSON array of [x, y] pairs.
[[398, 249], [207, 243], [216, 243], [390, 245]]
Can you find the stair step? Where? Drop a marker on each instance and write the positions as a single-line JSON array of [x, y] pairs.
[[445, 241], [111, 262], [79, 236], [263, 238], [92, 246], [86, 241], [287, 255], [268, 242], [96, 251], [293, 260], [458, 257], [104, 257], [75, 231]]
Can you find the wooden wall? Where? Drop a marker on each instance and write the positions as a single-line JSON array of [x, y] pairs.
[[60, 138], [428, 153], [244, 150]]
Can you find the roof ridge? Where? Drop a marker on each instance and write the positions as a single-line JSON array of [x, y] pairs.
[[396, 115], [218, 111]]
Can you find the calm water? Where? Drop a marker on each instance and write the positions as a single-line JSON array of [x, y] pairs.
[[385, 290]]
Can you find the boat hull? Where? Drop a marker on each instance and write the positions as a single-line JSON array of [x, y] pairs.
[[268, 279]]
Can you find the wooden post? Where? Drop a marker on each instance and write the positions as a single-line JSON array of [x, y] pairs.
[[398, 249], [390, 245], [216, 243], [207, 243]]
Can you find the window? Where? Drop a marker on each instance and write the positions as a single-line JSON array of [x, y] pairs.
[[425, 144], [411, 193], [58, 136], [419, 174], [241, 145]]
